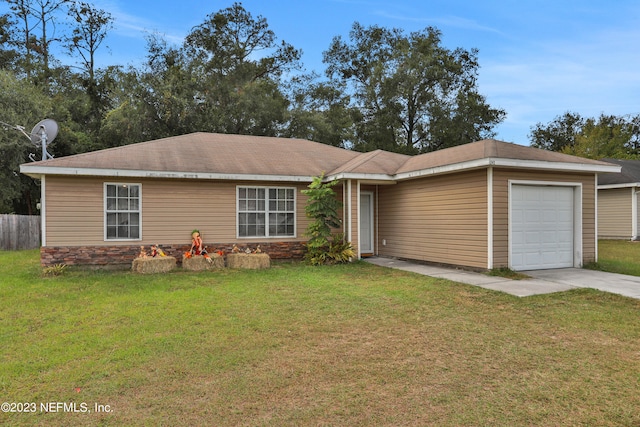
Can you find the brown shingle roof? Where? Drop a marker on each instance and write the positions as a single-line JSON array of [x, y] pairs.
[[214, 153], [488, 148], [373, 162], [242, 155]]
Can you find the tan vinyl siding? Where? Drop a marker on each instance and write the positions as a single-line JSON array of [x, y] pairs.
[[74, 211], [501, 179], [615, 213], [439, 219], [170, 210]]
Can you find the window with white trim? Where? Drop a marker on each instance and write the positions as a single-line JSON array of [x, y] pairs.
[[266, 212], [122, 212]]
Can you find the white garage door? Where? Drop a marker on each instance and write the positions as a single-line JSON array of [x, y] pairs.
[[542, 223]]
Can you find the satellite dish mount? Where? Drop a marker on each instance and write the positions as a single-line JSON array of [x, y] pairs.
[[43, 134]]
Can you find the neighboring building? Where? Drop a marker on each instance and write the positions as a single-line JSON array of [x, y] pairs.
[[618, 201], [482, 205]]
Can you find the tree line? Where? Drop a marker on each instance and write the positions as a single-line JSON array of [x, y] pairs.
[[381, 87], [606, 136]]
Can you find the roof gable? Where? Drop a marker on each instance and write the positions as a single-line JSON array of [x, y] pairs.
[[373, 162]]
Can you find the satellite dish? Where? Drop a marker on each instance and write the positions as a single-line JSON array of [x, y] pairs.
[[44, 132]]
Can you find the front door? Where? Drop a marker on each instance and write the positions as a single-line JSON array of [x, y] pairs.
[[366, 223]]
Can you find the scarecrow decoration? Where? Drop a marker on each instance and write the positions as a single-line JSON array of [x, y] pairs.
[[197, 258], [197, 247]]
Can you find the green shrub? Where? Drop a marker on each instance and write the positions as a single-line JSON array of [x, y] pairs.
[[340, 250], [322, 207], [336, 251]]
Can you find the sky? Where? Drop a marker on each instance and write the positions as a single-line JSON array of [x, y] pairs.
[[538, 59]]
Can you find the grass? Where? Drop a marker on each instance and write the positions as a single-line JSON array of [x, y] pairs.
[[355, 345], [618, 256]]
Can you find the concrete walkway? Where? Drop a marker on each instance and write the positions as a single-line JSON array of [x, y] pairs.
[[541, 282]]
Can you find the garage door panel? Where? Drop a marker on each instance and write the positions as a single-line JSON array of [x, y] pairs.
[[532, 258], [517, 238], [532, 239], [553, 216], [542, 227], [564, 236], [532, 216], [549, 237]]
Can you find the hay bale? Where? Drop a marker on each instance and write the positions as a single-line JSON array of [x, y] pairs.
[[153, 265], [200, 263], [251, 261]]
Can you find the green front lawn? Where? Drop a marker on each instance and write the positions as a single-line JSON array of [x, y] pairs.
[[352, 345], [618, 256]]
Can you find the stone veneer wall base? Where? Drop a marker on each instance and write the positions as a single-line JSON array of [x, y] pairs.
[[123, 255]]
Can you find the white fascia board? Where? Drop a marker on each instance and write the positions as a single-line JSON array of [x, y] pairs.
[[623, 185], [474, 164], [555, 166], [508, 163], [32, 175], [124, 173], [369, 177], [37, 171]]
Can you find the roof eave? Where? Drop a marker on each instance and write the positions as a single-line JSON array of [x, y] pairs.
[[372, 177], [30, 173], [509, 163], [620, 185], [437, 170], [557, 166], [38, 171]]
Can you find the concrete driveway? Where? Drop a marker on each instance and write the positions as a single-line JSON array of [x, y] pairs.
[[541, 281], [621, 284]]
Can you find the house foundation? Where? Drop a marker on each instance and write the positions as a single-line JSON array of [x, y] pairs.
[[123, 255]]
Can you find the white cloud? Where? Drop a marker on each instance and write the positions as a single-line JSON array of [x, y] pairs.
[[135, 26], [445, 21], [590, 75]]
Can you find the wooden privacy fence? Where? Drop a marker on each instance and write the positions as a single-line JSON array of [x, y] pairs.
[[19, 232]]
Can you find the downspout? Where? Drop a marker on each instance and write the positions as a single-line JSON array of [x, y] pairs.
[[43, 212], [344, 207], [634, 213], [596, 215], [349, 212], [375, 218], [490, 217], [359, 253]]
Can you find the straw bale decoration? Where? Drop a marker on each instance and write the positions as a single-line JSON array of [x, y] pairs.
[[156, 261], [249, 259]]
